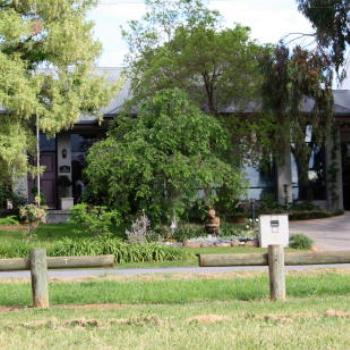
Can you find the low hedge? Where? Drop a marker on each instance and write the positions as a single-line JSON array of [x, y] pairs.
[[312, 214], [123, 252]]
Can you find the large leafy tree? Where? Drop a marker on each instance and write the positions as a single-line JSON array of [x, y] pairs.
[[46, 56], [160, 160], [180, 43], [330, 18]]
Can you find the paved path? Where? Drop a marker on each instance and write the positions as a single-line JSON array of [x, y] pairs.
[[328, 234], [80, 273]]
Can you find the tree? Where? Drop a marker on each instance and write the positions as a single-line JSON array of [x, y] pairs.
[[291, 79], [184, 46], [330, 18], [46, 58], [161, 160]]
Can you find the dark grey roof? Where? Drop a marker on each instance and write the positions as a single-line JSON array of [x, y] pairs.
[[341, 105], [113, 74]]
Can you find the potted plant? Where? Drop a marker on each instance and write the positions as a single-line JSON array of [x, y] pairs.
[[64, 184]]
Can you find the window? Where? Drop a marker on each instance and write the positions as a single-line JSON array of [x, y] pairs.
[[315, 187], [261, 180], [47, 144]]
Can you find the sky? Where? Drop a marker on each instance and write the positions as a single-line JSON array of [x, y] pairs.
[[269, 20]]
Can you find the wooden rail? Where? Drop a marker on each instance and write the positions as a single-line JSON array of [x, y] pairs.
[[261, 259], [275, 259], [38, 264], [64, 262]]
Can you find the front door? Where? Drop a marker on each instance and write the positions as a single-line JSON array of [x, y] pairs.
[[346, 174], [48, 179]]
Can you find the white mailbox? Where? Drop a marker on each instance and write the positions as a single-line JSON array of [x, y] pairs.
[[273, 229]]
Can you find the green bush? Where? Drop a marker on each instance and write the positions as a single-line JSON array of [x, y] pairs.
[[188, 231], [300, 241], [123, 252], [312, 214], [227, 229], [304, 206], [94, 220]]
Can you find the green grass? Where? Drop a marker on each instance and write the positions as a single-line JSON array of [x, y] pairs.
[[168, 290], [172, 313]]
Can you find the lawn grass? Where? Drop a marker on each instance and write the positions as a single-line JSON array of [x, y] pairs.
[[220, 312], [179, 290]]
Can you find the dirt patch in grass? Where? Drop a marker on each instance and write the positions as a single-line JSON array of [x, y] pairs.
[[337, 313], [54, 323], [92, 306], [14, 228], [208, 319]]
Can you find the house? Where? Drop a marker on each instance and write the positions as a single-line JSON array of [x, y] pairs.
[[64, 157]]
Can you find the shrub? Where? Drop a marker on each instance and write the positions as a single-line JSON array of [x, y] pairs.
[[158, 161], [139, 229], [300, 241], [94, 220], [312, 214], [304, 206], [188, 231], [227, 229], [32, 215]]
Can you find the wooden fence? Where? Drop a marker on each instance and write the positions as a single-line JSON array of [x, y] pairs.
[[38, 264], [275, 259]]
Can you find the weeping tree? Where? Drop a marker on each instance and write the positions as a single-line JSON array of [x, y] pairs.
[[47, 52], [297, 95]]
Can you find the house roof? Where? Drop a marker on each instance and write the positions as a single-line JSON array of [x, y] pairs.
[[341, 99]]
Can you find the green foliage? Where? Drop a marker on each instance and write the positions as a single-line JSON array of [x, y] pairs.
[[312, 214], [190, 50], [304, 206], [160, 161], [101, 245], [47, 52], [290, 77], [94, 220], [188, 231], [9, 220], [300, 241], [228, 229], [331, 21]]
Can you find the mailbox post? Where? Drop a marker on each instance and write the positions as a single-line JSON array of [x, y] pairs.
[[273, 230]]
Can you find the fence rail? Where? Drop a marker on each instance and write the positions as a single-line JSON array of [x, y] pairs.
[[64, 262], [275, 259], [261, 259]]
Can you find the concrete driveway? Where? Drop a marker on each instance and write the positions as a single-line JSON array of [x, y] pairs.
[[328, 234]]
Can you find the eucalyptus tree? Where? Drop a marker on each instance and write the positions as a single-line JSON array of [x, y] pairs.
[[330, 18], [183, 44]]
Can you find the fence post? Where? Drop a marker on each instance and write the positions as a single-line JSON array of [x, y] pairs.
[[276, 272], [38, 269]]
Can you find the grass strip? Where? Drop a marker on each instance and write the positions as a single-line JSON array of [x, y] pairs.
[[178, 291]]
